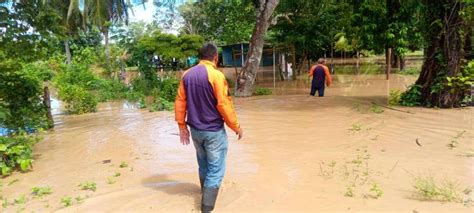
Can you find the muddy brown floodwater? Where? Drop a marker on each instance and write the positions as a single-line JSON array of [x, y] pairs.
[[299, 154]]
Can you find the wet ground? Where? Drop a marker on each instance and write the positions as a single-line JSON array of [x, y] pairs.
[[299, 153]]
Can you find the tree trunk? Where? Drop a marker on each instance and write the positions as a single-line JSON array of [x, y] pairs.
[[301, 65], [402, 63], [332, 60], [106, 44], [358, 61], [446, 42], [389, 65], [68, 52], [47, 104], [246, 79]]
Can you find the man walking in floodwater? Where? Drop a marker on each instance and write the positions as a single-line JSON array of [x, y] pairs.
[[321, 77], [203, 96]]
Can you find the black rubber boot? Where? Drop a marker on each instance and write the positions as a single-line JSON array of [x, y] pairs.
[[201, 181], [209, 196]]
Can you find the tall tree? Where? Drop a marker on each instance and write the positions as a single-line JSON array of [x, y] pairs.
[[72, 20], [448, 26], [246, 77], [103, 14], [403, 31], [223, 22]]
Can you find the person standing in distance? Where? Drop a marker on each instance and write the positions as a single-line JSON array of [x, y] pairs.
[[321, 76], [204, 104]]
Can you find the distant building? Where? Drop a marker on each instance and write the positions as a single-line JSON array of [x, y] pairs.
[[232, 55]]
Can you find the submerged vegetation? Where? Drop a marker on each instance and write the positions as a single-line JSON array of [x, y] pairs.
[[428, 188], [16, 152], [85, 57]]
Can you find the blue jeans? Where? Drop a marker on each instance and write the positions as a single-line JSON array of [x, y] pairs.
[[211, 152]]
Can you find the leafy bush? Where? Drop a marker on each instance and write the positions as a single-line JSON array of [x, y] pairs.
[[411, 97], [86, 55], [376, 109], [410, 71], [427, 188], [169, 89], [16, 152], [66, 201], [161, 104], [91, 186], [394, 97], [463, 83], [79, 75], [134, 96], [111, 89], [39, 192], [78, 86], [21, 88], [78, 99], [262, 91]]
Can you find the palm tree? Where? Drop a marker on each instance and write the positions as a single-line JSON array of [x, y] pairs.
[[100, 13], [103, 14], [71, 20]]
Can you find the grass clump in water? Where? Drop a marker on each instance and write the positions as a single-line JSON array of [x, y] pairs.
[[111, 181], [376, 109], [262, 91], [427, 188], [20, 200], [91, 186], [394, 97], [39, 192], [349, 192], [410, 71], [355, 128], [376, 190], [66, 201], [123, 164]]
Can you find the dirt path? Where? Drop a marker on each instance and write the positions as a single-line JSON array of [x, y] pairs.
[[300, 153]]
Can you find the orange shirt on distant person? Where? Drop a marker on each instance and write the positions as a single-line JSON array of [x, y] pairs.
[[326, 72]]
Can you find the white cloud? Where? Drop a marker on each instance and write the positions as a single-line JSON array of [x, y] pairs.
[[143, 12]]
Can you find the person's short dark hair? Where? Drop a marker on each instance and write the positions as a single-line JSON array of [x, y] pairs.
[[208, 51]]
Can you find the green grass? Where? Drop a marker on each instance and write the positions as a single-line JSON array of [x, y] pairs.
[[262, 91], [427, 188], [4, 203], [123, 164], [410, 71], [469, 154], [376, 190], [20, 200], [111, 181], [349, 192], [39, 192], [91, 186], [376, 109], [394, 97], [355, 128], [66, 201], [117, 174], [79, 199]]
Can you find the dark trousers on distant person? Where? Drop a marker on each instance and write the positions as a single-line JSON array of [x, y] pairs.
[[317, 86]]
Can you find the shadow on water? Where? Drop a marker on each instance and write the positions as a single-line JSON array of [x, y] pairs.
[[174, 187]]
